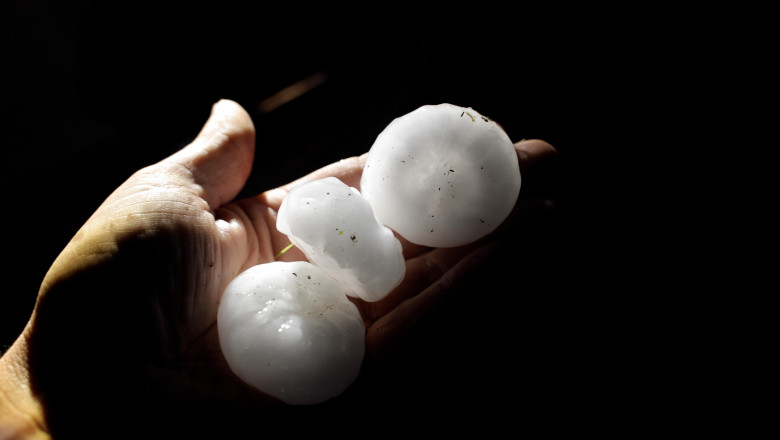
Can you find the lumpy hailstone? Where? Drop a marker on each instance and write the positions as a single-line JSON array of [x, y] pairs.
[[335, 227], [289, 330], [442, 176]]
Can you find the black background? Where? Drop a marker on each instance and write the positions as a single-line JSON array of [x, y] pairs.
[[92, 91]]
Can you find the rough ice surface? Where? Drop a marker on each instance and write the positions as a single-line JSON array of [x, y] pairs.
[[336, 229], [288, 330], [442, 176]]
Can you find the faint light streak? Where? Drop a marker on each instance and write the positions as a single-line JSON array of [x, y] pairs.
[[291, 92]]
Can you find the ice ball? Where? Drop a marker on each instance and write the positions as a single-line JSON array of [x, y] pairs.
[[336, 229], [442, 176], [288, 330]]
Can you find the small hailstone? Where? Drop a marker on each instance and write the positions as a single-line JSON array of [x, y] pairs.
[[336, 229], [442, 176], [288, 330]]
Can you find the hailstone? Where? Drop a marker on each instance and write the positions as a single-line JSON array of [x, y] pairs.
[[288, 330], [336, 229], [442, 176]]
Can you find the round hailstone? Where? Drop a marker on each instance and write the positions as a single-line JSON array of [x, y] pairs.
[[442, 176], [335, 227], [288, 330]]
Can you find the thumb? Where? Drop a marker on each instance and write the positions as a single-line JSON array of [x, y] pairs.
[[220, 158]]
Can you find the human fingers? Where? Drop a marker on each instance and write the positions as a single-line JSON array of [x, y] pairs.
[[219, 160], [422, 270], [383, 335], [347, 170], [531, 154], [533, 157], [426, 266]]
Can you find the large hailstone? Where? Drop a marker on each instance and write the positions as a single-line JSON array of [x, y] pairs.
[[336, 229], [288, 330], [442, 176]]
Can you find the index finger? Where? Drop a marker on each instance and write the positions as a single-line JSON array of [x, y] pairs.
[[347, 170], [425, 266], [530, 153]]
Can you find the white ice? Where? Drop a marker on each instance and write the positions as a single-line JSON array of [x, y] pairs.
[[289, 330], [336, 229], [442, 176]]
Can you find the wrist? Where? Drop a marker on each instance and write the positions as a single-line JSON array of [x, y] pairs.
[[21, 414]]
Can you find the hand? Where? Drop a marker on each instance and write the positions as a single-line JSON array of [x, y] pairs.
[[124, 330]]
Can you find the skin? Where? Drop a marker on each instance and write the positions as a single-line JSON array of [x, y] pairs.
[[124, 328]]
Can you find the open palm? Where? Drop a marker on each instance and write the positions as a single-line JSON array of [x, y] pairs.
[[125, 324]]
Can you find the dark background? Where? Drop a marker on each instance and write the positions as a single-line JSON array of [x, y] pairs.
[[92, 91]]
